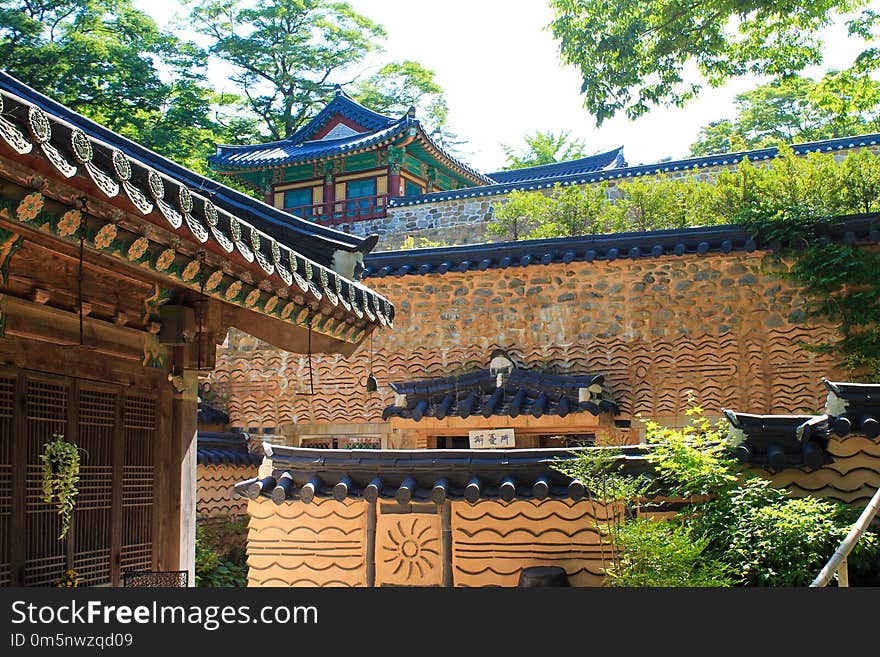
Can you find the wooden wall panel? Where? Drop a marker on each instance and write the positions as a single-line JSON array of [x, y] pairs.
[[46, 404], [139, 435], [92, 538], [297, 544]]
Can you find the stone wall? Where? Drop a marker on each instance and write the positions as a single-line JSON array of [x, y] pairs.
[[717, 326], [463, 221]]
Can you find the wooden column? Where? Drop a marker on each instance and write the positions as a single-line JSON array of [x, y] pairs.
[[329, 195], [394, 180], [177, 490]]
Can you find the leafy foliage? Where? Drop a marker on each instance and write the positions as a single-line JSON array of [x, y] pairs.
[[735, 527], [397, 86], [110, 62], [544, 148], [764, 537], [218, 565], [664, 553], [634, 55], [69, 580], [60, 477], [287, 54], [796, 109], [410, 242]]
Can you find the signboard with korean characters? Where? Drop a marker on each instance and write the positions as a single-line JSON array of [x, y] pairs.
[[491, 438]]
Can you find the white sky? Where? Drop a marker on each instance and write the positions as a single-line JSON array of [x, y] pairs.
[[502, 77]]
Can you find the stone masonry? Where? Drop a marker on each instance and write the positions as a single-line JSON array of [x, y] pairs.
[[718, 327], [463, 221]]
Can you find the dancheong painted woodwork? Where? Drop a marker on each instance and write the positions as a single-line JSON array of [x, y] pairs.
[[120, 273]]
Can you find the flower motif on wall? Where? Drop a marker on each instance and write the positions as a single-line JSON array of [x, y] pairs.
[[410, 547], [30, 207], [69, 223], [138, 248], [252, 298], [191, 271], [233, 290], [105, 236], [213, 280], [165, 259]]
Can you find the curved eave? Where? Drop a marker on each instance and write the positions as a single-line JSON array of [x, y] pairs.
[[315, 241], [390, 138], [288, 271]]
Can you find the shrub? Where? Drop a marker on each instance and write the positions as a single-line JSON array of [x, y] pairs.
[[663, 553], [735, 527], [214, 569]]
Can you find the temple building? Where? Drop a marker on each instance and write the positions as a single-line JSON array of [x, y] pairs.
[[370, 174], [121, 273], [507, 358], [346, 164]]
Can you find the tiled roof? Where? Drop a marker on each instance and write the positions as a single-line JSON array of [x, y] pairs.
[[273, 246], [522, 392], [286, 151], [422, 475], [318, 243], [208, 414], [614, 173], [348, 107], [777, 442], [225, 449], [855, 407], [704, 240], [297, 148], [612, 159]]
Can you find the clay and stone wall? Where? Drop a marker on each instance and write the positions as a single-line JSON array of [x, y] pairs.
[[328, 543], [214, 494], [463, 221], [718, 327]]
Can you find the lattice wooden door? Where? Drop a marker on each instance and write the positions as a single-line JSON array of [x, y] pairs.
[[112, 526]]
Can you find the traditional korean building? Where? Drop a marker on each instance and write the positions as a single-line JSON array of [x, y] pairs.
[[556, 343], [121, 273], [370, 174], [346, 164], [533, 348]]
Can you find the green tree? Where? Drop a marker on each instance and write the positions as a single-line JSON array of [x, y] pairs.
[[571, 210], [796, 109], [543, 148], [633, 55], [103, 58], [287, 54], [396, 87]]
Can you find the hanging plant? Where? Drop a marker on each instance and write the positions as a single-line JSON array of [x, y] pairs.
[[60, 476]]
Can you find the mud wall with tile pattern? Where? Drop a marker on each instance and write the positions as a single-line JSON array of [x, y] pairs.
[[718, 326], [214, 494], [329, 543]]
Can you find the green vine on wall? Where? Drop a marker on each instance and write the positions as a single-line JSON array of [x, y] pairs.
[[60, 477], [840, 281]]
